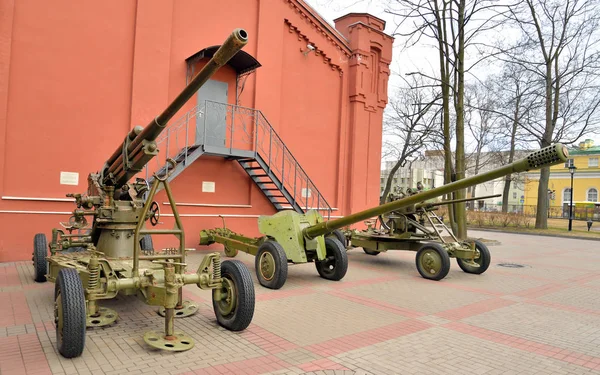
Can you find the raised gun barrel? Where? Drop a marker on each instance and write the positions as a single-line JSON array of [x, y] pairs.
[[139, 146], [545, 157]]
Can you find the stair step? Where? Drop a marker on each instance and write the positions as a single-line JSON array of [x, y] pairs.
[[260, 175], [267, 189], [276, 196], [252, 168]]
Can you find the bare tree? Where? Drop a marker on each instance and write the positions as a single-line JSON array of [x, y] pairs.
[[559, 45], [410, 125], [482, 122], [452, 26]]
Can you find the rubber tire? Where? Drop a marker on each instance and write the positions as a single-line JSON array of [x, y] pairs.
[[339, 235], [281, 264], [484, 257], [371, 252], [40, 251], [69, 284], [340, 267], [146, 243], [443, 255], [241, 317]]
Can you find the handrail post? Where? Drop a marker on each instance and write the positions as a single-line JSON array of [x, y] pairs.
[[232, 124], [187, 123], [256, 114], [282, 167], [295, 174], [167, 151], [204, 130], [270, 142]]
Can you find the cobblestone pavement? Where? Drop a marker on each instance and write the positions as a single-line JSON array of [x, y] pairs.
[[382, 318]]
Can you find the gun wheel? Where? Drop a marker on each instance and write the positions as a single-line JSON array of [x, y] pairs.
[[335, 264], [370, 252], [271, 265], [233, 303], [40, 251], [69, 313], [176, 343], [480, 264], [433, 261], [188, 308], [339, 235], [230, 252]]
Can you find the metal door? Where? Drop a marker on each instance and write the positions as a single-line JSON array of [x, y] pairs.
[[212, 100]]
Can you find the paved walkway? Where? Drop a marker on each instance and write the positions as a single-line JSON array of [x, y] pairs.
[[382, 318]]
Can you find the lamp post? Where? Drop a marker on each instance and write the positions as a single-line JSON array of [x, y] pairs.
[[572, 169]]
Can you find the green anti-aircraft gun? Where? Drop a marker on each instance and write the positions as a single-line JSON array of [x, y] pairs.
[[115, 255], [293, 237]]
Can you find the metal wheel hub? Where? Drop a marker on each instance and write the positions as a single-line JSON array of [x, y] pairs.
[[229, 251], [187, 308], [104, 317], [176, 343], [431, 262], [58, 314], [267, 266], [229, 301]]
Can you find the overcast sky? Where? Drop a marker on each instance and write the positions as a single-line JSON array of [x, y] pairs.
[[422, 58]]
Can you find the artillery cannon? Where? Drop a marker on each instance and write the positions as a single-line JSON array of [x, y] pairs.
[[115, 254], [291, 237]]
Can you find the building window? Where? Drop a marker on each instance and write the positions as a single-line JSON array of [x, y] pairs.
[[593, 162], [592, 194], [567, 195]]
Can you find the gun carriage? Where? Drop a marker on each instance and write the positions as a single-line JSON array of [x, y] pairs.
[[292, 237], [114, 254]]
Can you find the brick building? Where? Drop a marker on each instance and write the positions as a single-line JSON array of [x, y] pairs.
[[75, 77]]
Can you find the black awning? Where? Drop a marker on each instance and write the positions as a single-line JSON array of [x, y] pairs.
[[242, 62]]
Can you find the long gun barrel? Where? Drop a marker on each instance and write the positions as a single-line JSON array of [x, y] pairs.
[[545, 157], [139, 146], [436, 204]]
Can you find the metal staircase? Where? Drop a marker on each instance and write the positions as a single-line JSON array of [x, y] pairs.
[[244, 135]]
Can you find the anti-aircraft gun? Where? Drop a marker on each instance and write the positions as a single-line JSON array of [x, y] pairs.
[[289, 236], [115, 255]]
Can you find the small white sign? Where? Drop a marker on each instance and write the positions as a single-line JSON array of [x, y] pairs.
[[208, 187], [69, 178], [305, 193]]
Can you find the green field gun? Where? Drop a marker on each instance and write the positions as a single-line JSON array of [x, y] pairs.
[[114, 254], [292, 237]]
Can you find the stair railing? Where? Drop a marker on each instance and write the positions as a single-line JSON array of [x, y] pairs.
[[244, 129]]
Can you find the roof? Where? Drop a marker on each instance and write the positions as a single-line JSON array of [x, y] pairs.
[[242, 62], [361, 14], [587, 151]]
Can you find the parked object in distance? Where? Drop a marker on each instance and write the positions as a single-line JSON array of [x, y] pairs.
[[114, 254]]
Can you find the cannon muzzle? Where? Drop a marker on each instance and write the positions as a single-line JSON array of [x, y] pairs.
[[545, 157], [139, 146]]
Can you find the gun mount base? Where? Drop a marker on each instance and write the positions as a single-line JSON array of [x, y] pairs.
[[103, 317], [177, 342]]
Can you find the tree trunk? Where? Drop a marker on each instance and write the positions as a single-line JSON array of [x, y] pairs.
[[460, 214], [511, 155], [388, 183], [541, 216]]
